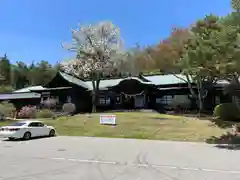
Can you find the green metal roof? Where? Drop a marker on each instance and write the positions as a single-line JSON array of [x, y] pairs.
[[52, 89], [166, 79], [29, 89], [157, 80], [104, 84], [74, 80], [22, 95], [173, 79]]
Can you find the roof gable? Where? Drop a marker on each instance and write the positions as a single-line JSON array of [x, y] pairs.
[[104, 84], [74, 80]]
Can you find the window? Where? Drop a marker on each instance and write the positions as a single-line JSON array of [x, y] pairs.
[[236, 99], [104, 100], [18, 124], [139, 101], [158, 100], [217, 100], [57, 99], [118, 100], [165, 99], [33, 124], [36, 124], [69, 99], [46, 93], [40, 124], [107, 100]]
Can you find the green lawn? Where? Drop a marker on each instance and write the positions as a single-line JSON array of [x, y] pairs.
[[137, 125]]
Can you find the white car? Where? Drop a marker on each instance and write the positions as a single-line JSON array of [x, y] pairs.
[[26, 130]]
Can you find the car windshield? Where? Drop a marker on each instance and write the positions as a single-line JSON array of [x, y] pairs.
[[18, 124]]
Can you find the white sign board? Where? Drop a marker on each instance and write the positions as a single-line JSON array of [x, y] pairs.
[[108, 119]]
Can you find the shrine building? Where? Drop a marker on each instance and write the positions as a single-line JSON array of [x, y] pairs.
[[143, 92]]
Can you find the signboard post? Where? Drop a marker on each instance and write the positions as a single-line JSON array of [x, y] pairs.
[[108, 119]]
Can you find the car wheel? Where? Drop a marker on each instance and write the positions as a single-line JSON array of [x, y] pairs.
[[52, 133], [27, 136], [11, 138]]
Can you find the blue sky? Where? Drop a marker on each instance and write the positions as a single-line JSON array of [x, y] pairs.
[[33, 29]]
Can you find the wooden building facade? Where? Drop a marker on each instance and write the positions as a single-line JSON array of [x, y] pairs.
[[144, 92]]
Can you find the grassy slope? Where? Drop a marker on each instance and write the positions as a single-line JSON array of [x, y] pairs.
[[138, 125]]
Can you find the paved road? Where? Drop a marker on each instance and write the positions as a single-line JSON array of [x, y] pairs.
[[76, 158]]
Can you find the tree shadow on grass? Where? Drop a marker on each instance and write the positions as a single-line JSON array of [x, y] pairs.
[[229, 140], [226, 141], [223, 124]]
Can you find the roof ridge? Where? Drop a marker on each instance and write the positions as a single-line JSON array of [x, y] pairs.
[[69, 74], [102, 78], [67, 77]]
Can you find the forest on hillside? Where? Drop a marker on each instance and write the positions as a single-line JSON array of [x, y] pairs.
[[20, 75]]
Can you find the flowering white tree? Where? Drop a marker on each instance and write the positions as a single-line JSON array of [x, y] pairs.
[[98, 50]]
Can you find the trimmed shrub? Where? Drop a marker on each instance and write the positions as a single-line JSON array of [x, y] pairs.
[[27, 112], [6, 109], [45, 113], [69, 108], [6, 89], [226, 112], [50, 103]]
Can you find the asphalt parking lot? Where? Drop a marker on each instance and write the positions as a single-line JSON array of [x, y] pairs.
[[79, 158]]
